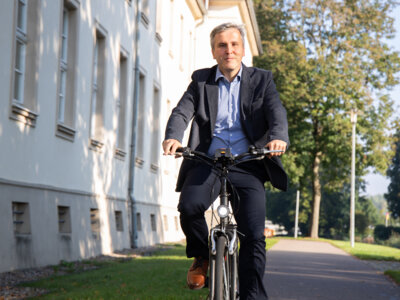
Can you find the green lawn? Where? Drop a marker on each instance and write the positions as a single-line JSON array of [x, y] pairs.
[[270, 242], [163, 275], [160, 276], [368, 251], [395, 275]]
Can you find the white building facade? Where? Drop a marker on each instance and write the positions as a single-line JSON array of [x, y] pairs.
[[85, 83]]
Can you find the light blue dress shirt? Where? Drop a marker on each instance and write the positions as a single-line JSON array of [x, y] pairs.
[[228, 132]]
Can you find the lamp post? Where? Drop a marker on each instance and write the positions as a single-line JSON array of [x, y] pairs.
[[353, 118], [296, 222]]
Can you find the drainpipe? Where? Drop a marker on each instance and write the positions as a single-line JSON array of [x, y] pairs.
[[134, 235]]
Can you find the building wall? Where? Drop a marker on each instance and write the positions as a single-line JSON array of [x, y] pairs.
[[45, 171], [64, 184]]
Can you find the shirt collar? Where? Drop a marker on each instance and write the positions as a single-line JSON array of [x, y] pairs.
[[219, 75]]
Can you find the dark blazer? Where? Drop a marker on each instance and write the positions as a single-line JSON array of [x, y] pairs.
[[263, 117]]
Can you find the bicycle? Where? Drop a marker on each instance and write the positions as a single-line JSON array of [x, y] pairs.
[[223, 281]]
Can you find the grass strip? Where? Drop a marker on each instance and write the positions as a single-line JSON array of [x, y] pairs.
[[160, 276], [270, 242], [368, 251], [395, 275]]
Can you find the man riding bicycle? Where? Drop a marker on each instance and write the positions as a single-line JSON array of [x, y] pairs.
[[232, 106]]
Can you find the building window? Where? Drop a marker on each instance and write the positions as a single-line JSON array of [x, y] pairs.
[[171, 29], [145, 15], [141, 120], [155, 132], [25, 62], [158, 20], [165, 222], [95, 222], [21, 218], [118, 220], [64, 219], [68, 61], [181, 40], [98, 89], [153, 222], [138, 222], [176, 223], [21, 41], [121, 105], [189, 52]]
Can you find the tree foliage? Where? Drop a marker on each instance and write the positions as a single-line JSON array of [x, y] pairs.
[[393, 194], [329, 57]]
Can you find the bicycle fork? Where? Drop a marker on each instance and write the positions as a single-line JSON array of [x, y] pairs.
[[229, 270]]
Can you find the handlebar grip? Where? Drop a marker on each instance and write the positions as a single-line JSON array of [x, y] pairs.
[[273, 151], [184, 150], [262, 151]]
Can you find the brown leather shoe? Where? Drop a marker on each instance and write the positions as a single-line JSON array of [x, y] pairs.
[[197, 274]]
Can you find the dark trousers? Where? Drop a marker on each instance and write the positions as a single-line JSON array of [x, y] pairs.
[[200, 189]]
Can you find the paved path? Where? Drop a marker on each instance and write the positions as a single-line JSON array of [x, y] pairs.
[[306, 270]]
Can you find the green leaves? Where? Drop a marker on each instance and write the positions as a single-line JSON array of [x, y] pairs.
[[329, 57], [393, 195]]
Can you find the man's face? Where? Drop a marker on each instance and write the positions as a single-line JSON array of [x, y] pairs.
[[228, 51]]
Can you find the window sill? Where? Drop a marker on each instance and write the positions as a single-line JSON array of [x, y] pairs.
[[154, 168], [139, 162], [158, 38], [120, 154], [65, 235], [96, 235], [96, 145], [22, 114], [65, 132], [145, 20]]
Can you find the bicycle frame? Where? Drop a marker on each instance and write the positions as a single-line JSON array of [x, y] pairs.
[[223, 238]]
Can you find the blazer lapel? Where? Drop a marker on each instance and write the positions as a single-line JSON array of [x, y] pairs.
[[246, 94], [246, 98], [212, 99]]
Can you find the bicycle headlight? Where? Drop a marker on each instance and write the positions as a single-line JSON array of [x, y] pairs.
[[223, 211]]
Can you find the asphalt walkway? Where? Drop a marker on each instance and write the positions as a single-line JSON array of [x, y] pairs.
[[307, 270]]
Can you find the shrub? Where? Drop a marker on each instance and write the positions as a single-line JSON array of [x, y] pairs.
[[394, 240], [383, 233]]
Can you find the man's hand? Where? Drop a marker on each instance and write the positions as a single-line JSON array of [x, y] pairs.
[[170, 146], [276, 145]]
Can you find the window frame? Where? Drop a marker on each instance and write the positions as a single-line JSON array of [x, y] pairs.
[[121, 104], [155, 130], [98, 87], [27, 38]]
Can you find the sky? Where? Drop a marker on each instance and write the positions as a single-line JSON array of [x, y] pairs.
[[377, 184]]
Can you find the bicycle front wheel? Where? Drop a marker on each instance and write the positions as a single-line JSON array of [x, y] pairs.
[[234, 276], [221, 269]]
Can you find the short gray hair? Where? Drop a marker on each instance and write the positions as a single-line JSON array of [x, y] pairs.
[[224, 27]]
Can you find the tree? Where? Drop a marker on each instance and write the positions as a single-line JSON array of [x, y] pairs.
[[281, 209], [366, 214], [393, 195], [329, 57]]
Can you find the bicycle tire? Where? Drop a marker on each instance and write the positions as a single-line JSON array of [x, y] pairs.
[[234, 275], [221, 268], [211, 278]]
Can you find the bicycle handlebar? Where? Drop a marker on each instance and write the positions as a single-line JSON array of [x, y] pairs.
[[225, 155]]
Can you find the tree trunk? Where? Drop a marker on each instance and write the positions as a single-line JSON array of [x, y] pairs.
[[316, 194]]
